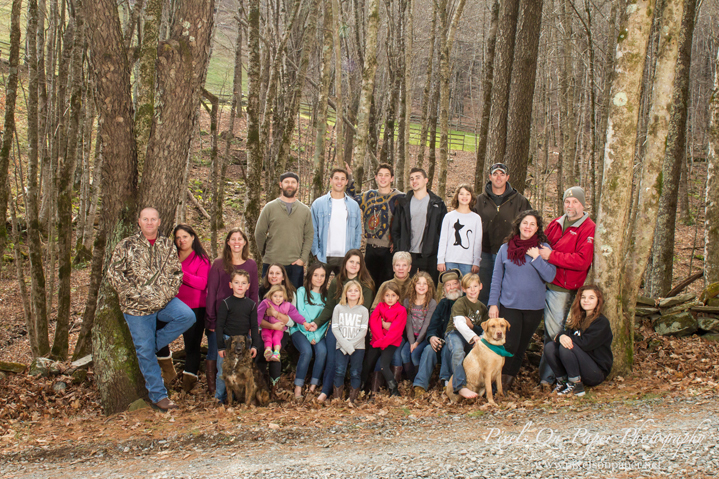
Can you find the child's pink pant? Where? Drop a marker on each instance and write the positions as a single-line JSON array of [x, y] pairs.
[[272, 337]]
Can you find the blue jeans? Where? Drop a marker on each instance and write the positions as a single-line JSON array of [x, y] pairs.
[[458, 349], [486, 269], [415, 355], [427, 363], [305, 348], [464, 268], [328, 379], [556, 307], [148, 340], [211, 345], [220, 390], [355, 362]]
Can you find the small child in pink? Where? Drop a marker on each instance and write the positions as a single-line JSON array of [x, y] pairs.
[[275, 302]]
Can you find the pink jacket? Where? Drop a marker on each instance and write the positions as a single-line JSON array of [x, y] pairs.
[[285, 308], [395, 314], [193, 290]]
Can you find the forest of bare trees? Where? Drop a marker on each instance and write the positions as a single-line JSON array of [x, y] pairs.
[[109, 104]]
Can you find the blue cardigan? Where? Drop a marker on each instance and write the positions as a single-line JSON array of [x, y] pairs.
[[520, 287]]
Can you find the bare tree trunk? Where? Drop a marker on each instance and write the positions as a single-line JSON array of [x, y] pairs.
[[685, 216], [40, 344], [339, 108], [427, 89], [445, 68], [660, 278], [65, 190], [566, 97], [402, 125], [521, 95], [9, 122], [618, 165], [368, 73], [433, 117], [711, 212], [506, 29], [217, 163], [480, 171], [408, 93]]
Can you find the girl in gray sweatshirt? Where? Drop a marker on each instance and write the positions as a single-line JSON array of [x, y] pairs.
[[349, 326]]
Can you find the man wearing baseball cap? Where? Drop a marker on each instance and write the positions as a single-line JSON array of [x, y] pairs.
[[498, 205], [284, 231], [571, 237]]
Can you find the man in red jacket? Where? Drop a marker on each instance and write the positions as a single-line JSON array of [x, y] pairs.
[[572, 240]]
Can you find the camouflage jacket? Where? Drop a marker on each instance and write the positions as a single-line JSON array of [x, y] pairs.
[[145, 277]]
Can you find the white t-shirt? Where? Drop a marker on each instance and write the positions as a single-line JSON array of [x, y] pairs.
[[337, 233]]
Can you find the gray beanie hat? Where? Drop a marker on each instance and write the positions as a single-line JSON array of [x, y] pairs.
[[576, 192]]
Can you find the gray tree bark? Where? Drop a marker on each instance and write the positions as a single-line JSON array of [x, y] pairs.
[[711, 212]]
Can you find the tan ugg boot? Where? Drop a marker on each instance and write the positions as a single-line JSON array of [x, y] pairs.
[[188, 381], [168, 370]]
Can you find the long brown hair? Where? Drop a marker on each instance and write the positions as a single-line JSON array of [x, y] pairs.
[[455, 199], [196, 244], [289, 287], [518, 220], [227, 251], [578, 318], [308, 282], [429, 296], [363, 275]]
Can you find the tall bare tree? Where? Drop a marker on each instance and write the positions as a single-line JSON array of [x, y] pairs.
[[711, 214]]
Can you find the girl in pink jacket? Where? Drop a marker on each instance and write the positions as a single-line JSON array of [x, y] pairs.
[[386, 324], [275, 300]]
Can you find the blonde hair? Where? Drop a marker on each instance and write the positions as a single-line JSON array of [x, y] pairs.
[[470, 278], [348, 285], [274, 289], [413, 288]]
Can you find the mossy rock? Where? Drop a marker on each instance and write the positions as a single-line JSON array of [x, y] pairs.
[[138, 404], [679, 324], [711, 337], [713, 302], [711, 291], [44, 367], [709, 323], [681, 307], [645, 311], [674, 300], [79, 376], [645, 301]]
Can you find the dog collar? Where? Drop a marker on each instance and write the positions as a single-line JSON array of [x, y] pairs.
[[497, 349]]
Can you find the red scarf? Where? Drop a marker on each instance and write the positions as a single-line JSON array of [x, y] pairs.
[[517, 248]]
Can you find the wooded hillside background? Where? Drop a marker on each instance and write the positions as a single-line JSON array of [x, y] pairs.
[[197, 106]]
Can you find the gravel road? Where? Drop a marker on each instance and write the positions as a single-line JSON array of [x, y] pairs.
[[660, 437]]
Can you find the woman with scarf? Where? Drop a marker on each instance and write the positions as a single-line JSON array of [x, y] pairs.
[[518, 287]]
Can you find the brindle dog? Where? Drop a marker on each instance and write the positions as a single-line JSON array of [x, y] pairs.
[[243, 380]]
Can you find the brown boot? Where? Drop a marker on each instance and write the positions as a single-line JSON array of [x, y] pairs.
[[409, 370], [354, 394], [188, 381], [507, 381], [167, 368], [338, 392], [377, 380], [211, 374], [419, 392], [397, 371]]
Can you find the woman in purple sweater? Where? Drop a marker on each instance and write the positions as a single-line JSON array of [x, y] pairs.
[[235, 256], [193, 292], [518, 287]]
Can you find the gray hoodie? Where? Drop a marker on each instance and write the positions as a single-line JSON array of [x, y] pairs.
[[349, 325]]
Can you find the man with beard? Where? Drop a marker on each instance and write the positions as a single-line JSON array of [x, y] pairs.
[[284, 231], [498, 205], [435, 333]]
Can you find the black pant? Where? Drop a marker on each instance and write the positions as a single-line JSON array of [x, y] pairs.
[[573, 363], [427, 263], [385, 360], [379, 264], [522, 325], [193, 339], [295, 273], [275, 367], [334, 264]]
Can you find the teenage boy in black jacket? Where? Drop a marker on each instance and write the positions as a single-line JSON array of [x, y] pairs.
[[418, 223]]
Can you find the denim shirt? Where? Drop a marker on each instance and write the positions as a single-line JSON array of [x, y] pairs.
[[321, 214]]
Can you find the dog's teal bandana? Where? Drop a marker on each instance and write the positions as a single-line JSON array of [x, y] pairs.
[[497, 349]]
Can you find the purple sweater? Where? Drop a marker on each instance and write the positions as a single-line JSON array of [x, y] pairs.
[[520, 287], [285, 308], [193, 290], [218, 287]]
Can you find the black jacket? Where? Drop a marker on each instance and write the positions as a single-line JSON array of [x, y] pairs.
[[440, 318], [497, 220], [402, 224], [596, 341]]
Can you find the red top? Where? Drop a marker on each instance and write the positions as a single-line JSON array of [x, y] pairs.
[[395, 314], [193, 290], [152, 241], [572, 251]]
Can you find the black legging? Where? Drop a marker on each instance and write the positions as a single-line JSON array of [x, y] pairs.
[[193, 340], [275, 367], [385, 360], [572, 363], [522, 325]]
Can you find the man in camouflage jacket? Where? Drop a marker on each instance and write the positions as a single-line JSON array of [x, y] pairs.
[[146, 273]]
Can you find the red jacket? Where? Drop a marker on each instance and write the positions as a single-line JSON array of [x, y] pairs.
[[572, 251], [395, 314]]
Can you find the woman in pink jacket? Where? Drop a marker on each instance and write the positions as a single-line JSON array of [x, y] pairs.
[[386, 324]]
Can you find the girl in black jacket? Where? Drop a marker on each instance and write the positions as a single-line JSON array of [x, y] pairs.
[[582, 353]]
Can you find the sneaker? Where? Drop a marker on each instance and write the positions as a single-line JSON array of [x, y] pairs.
[[561, 386], [577, 389], [275, 356]]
